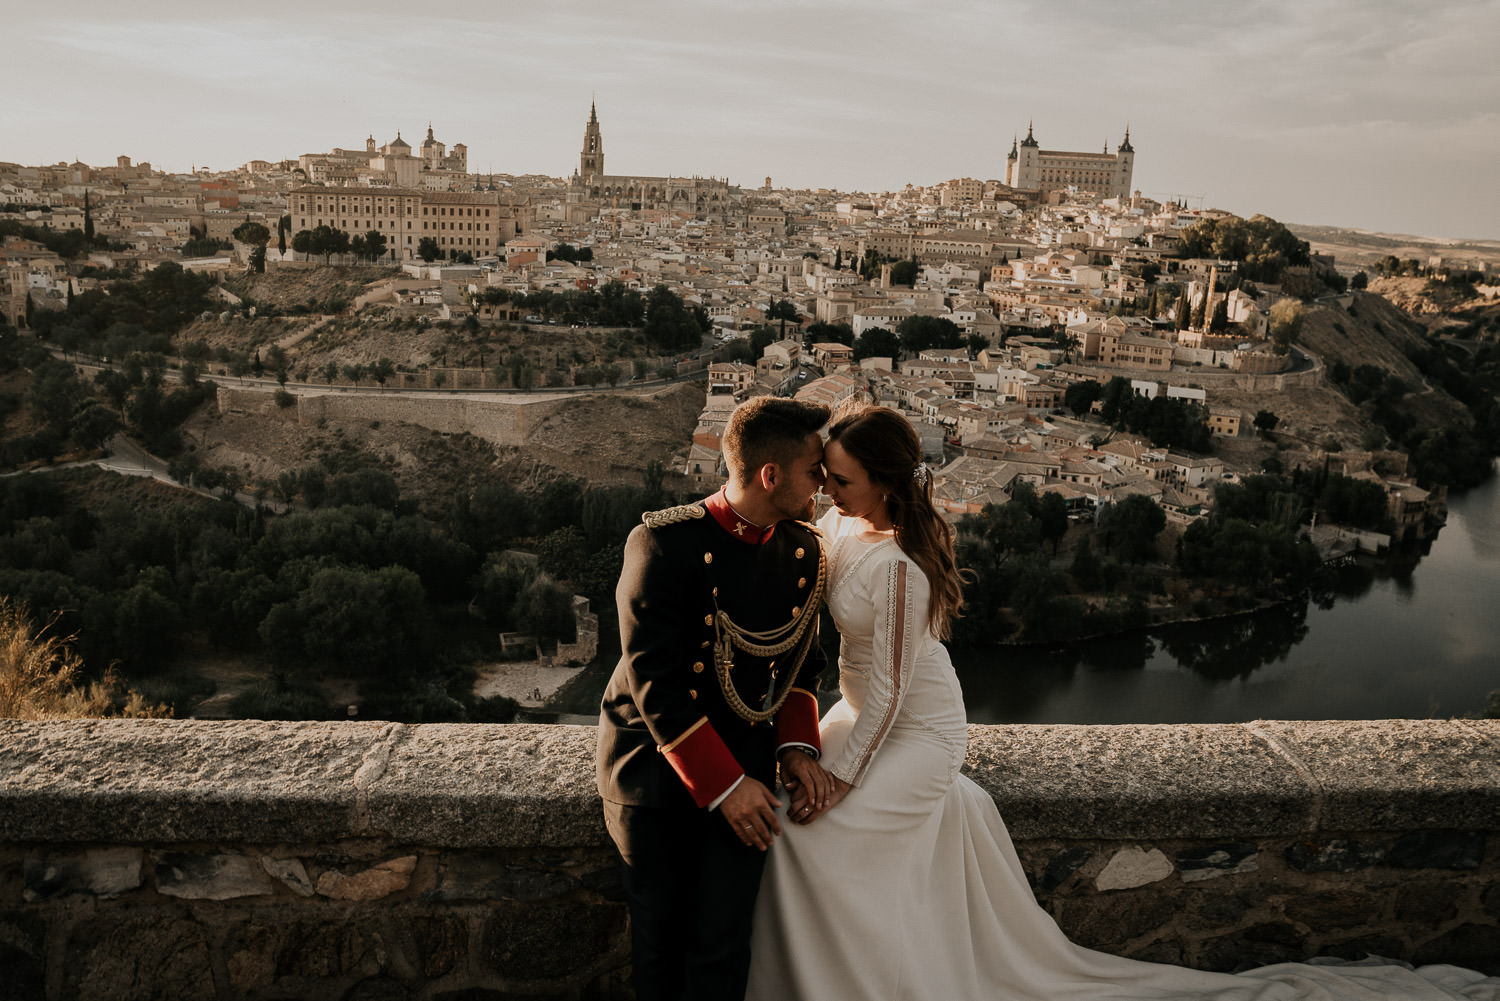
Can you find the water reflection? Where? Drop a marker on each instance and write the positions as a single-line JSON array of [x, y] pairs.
[[1366, 643]]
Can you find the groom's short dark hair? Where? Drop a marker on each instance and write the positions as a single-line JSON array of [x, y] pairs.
[[768, 429]]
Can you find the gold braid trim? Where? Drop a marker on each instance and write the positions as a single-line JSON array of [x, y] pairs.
[[770, 643], [672, 515]]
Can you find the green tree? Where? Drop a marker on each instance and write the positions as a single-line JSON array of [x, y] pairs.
[[375, 245], [382, 370], [302, 243], [781, 309], [1079, 397], [1183, 314], [1265, 421], [1286, 324], [256, 236], [877, 342], [668, 321], [1220, 319], [918, 333], [1052, 517], [905, 272], [1131, 525]]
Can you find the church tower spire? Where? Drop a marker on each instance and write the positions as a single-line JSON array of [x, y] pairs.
[[591, 160]]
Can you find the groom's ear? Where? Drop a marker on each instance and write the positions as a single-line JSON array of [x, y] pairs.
[[768, 476]]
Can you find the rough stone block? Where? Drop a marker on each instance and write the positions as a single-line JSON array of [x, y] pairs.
[[102, 872], [1132, 867], [1214, 910], [23, 950], [1217, 860], [1428, 903], [491, 786], [144, 956], [135, 780], [1061, 866], [1474, 946], [606, 880], [1365, 946], [1106, 922], [1258, 945], [477, 877], [378, 988], [442, 944], [1331, 911], [1138, 782], [1437, 850], [290, 872], [307, 950], [378, 881], [1403, 774], [1490, 899], [209, 877], [251, 951], [543, 940], [1332, 855]]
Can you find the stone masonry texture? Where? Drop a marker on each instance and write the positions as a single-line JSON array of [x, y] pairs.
[[250, 860]]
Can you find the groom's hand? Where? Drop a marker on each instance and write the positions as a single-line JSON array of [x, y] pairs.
[[751, 811], [808, 782]]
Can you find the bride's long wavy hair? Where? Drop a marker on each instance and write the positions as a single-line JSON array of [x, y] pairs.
[[886, 446]]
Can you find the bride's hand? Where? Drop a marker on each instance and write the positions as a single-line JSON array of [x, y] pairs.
[[840, 790], [807, 781]]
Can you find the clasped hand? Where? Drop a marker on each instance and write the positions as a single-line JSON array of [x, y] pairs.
[[814, 789], [751, 808]]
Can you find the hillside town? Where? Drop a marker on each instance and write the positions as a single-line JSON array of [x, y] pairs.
[[972, 306]]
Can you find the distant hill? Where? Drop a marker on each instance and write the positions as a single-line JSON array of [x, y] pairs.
[[1354, 247]]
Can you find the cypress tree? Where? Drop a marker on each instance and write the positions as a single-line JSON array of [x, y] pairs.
[[88, 221], [1184, 309]]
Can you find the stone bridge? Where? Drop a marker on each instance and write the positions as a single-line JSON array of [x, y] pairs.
[[250, 860]]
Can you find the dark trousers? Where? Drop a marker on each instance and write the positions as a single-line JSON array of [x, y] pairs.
[[691, 887]]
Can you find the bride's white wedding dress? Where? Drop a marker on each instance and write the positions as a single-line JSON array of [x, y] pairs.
[[910, 889]]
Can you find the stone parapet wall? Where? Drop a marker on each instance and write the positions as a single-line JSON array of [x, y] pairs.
[[365, 860]]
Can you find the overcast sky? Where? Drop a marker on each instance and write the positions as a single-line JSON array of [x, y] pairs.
[[1359, 113]]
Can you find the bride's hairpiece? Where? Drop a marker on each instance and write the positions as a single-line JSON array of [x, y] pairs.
[[921, 474]]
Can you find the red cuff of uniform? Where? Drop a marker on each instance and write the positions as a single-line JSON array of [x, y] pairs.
[[797, 722], [703, 761]]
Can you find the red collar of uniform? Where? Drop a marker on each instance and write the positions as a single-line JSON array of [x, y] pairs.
[[734, 523]]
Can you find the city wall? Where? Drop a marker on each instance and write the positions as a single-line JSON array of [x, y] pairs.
[[195, 859], [502, 420]]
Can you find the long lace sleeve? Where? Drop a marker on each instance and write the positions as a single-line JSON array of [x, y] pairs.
[[899, 628]]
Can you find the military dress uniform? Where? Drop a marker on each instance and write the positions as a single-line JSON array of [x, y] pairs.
[[717, 673]]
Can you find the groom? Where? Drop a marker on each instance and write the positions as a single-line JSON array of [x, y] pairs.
[[719, 657]]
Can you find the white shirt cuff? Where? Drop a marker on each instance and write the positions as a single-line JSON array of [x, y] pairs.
[[797, 745], [725, 794]]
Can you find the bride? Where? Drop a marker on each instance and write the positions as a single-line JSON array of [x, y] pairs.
[[905, 884]]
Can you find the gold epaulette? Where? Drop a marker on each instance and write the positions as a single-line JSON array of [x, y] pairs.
[[814, 529], [672, 515]]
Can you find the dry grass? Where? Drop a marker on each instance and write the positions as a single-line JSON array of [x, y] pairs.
[[39, 676]]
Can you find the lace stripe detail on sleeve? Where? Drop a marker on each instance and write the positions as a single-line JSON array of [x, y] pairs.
[[889, 678]]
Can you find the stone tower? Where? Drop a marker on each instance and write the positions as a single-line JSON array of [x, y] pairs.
[[1025, 171], [591, 160], [1124, 167]]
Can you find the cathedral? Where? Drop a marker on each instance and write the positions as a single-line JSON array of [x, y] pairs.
[[1031, 168], [702, 197]]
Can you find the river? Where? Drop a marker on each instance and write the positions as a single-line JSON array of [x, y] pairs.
[[1417, 637]]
